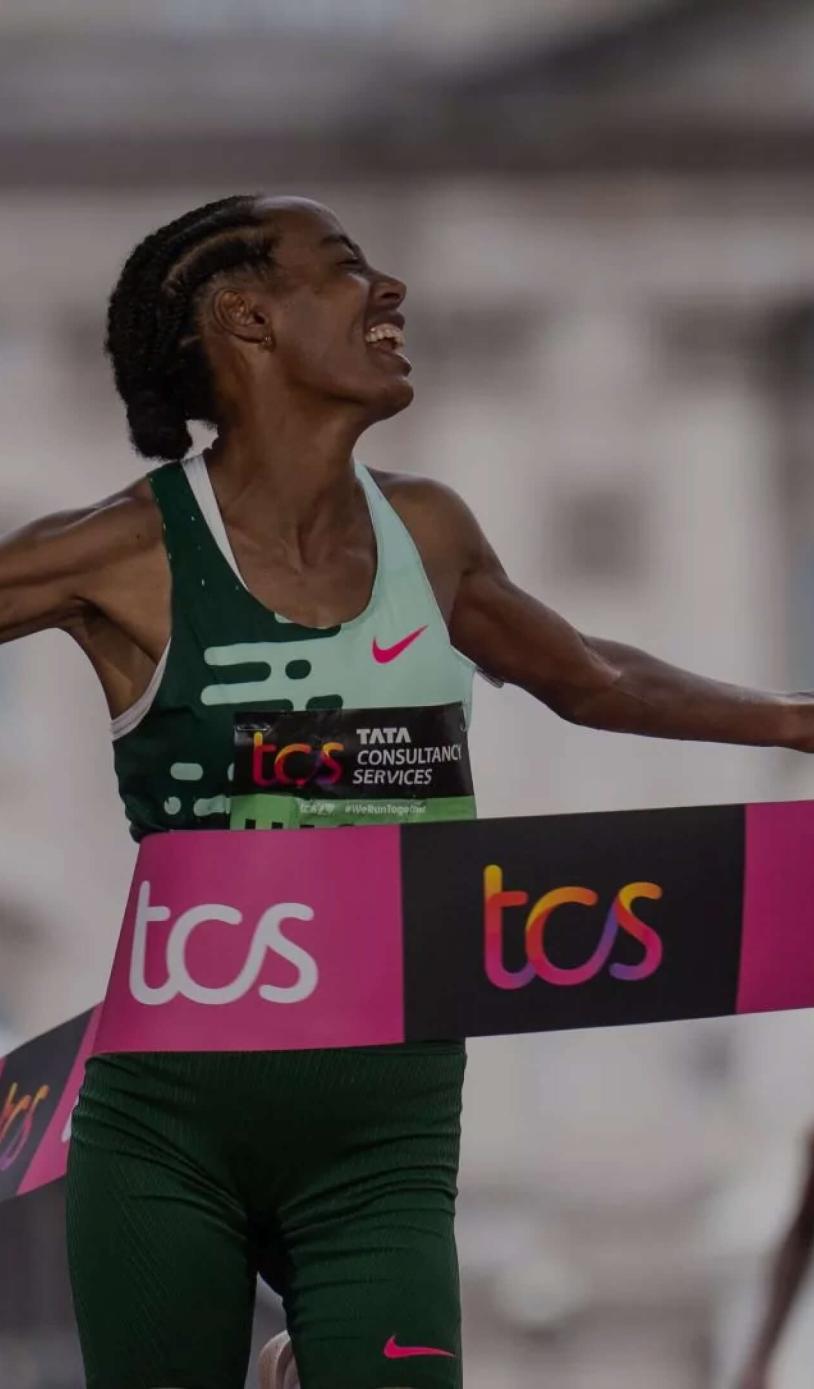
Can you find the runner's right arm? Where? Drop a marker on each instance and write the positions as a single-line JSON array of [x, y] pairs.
[[55, 571]]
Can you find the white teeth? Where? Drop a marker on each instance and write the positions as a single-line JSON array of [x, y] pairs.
[[384, 331]]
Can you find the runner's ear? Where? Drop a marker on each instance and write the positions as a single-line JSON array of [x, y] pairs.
[[240, 314]]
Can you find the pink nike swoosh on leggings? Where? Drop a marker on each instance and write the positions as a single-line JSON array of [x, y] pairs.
[[394, 1352], [383, 654]]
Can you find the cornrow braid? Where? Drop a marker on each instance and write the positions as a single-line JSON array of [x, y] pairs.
[[163, 382]]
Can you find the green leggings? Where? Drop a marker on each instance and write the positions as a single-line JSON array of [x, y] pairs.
[[332, 1174]]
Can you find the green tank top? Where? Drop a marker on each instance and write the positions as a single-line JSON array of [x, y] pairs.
[[174, 748]]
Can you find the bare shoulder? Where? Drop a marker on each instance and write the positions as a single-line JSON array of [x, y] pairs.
[[110, 548], [431, 510], [54, 571], [116, 528], [87, 536], [411, 490]]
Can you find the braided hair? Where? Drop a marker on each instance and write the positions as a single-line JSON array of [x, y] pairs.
[[163, 380]]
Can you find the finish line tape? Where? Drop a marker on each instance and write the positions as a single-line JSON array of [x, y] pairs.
[[244, 941]]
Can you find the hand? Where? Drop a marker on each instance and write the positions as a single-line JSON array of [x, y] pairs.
[[801, 708]]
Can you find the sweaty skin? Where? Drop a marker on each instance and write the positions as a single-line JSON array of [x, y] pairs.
[[297, 384]]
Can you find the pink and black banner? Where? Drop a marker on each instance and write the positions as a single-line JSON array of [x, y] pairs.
[[243, 941]]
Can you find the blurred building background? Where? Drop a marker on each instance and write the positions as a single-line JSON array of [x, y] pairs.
[[604, 211]]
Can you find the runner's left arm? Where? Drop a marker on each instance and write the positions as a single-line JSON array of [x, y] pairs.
[[591, 680]]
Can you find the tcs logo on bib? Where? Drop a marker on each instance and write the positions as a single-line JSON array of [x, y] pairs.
[[620, 917], [296, 764]]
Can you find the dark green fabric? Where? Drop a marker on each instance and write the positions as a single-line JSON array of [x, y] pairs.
[[332, 1173], [210, 609], [189, 1173]]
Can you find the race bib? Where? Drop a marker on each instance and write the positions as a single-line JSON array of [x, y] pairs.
[[330, 767]]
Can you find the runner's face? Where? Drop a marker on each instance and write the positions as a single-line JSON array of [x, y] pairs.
[[327, 300]]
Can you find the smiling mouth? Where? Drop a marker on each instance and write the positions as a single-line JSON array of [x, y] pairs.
[[387, 336], [387, 340]]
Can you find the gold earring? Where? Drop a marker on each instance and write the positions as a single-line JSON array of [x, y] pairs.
[[268, 342]]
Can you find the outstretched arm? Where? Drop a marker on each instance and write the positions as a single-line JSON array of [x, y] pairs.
[[54, 571], [791, 1263], [600, 683], [41, 569]]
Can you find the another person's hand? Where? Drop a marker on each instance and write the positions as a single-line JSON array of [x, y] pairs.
[[754, 1376]]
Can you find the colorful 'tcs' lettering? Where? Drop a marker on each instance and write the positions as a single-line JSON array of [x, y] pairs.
[[17, 1109], [280, 776], [620, 917]]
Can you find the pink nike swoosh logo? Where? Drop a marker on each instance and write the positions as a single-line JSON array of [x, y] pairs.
[[394, 1352], [383, 654]]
